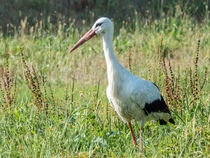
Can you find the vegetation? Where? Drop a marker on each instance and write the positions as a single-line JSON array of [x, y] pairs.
[[53, 103], [80, 13]]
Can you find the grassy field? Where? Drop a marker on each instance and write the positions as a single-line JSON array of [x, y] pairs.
[[53, 103]]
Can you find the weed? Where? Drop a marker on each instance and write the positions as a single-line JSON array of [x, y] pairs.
[[8, 87], [35, 82], [175, 95]]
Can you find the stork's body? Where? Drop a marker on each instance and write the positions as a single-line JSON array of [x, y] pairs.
[[130, 96]]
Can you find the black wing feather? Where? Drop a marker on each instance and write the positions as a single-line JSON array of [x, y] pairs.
[[156, 106]]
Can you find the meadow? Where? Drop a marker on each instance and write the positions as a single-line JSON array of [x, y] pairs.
[[53, 103]]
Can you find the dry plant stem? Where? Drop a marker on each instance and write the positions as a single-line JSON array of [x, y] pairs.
[[195, 92], [164, 70], [178, 91], [175, 94], [15, 91], [3, 95], [165, 73], [45, 93], [191, 82], [172, 77], [129, 61], [160, 61], [204, 80], [184, 88], [7, 83], [33, 83], [7, 79], [167, 82]]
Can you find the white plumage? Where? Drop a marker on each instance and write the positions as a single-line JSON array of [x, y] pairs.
[[130, 96]]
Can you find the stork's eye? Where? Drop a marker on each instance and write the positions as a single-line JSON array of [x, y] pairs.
[[99, 24]]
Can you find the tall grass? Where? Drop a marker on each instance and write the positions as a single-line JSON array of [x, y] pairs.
[[60, 107]]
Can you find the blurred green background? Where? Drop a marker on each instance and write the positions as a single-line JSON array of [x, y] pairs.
[[82, 12]]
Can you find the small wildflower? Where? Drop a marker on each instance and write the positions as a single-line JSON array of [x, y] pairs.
[[200, 33], [81, 94], [51, 129], [199, 129], [73, 126], [30, 104], [83, 156]]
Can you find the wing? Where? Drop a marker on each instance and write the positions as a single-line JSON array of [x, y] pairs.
[[149, 99], [145, 92], [157, 105]]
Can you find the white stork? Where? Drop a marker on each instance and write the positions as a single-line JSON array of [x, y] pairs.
[[130, 96]]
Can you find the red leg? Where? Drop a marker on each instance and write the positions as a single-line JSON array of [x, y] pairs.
[[141, 145], [132, 133]]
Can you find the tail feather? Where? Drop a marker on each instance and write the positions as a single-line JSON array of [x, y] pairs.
[[171, 121], [167, 118], [162, 122]]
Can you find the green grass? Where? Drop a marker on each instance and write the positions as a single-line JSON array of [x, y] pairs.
[[79, 120]]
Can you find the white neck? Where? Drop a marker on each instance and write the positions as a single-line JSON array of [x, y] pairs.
[[113, 66]]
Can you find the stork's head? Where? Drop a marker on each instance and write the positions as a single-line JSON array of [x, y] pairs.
[[102, 25]]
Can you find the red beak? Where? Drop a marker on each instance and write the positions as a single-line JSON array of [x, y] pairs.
[[85, 38]]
